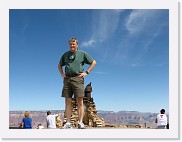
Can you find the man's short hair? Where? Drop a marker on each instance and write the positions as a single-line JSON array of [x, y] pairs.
[[73, 40], [48, 113], [162, 111]]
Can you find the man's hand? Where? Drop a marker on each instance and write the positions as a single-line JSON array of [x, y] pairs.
[[83, 74], [61, 71], [63, 75]]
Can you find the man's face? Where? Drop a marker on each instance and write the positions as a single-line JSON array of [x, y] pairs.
[[73, 46]]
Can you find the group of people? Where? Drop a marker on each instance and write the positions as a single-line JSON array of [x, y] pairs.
[[73, 76], [161, 120], [50, 120]]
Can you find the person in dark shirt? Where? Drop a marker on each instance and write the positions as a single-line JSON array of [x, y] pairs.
[[73, 77], [26, 121]]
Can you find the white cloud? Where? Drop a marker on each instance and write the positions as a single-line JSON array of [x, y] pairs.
[[138, 20], [104, 24], [134, 46], [145, 23], [88, 43]]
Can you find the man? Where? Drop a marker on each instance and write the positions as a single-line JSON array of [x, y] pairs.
[[74, 74], [51, 120], [161, 120]]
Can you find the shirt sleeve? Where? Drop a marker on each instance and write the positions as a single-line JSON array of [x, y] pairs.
[[88, 59], [62, 60]]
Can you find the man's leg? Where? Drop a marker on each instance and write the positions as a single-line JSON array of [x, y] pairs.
[[78, 91], [80, 108], [68, 109], [67, 94]]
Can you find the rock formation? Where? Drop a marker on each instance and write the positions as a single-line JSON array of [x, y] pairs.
[[90, 119], [58, 122]]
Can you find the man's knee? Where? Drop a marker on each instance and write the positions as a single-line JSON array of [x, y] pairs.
[[68, 101], [80, 101]]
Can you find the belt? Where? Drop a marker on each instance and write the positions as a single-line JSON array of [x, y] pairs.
[[71, 75]]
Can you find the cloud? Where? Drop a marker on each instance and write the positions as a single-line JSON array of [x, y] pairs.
[[88, 43], [126, 37], [143, 29], [104, 24], [138, 20]]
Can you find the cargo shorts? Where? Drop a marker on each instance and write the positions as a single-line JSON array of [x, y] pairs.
[[73, 86]]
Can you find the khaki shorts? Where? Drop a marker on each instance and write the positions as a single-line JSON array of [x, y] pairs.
[[73, 86]]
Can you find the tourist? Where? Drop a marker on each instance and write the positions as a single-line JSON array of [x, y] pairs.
[[40, 126], [51, 120], [73, 76], [26, 121], [161, 120]]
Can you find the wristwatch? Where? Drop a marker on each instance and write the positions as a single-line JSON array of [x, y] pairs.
[[87, 72]]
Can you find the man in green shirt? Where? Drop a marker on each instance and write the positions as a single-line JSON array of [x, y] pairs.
[[74, 74]]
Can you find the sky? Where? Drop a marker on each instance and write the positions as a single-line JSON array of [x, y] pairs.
[[131, 48]]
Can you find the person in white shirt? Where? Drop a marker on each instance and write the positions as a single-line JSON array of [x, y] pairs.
[[161, 120], [51, 120]]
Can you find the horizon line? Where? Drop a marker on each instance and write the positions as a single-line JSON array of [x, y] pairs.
[[97, 111]]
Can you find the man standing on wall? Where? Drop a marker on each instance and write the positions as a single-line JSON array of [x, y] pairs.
[[73, 76]]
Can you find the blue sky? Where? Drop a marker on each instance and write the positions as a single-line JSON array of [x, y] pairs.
[[130, 46]]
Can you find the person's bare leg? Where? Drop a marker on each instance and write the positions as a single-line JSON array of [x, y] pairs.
[[80, 109], [68, 109]]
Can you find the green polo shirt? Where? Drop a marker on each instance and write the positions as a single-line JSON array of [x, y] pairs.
[[74, 61]]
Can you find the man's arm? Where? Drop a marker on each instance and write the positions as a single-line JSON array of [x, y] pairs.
[[61, 71], [91, 66], [47, 122], [89, 69], [47, 125]]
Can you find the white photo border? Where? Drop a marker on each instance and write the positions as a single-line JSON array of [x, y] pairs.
[[172, 133]]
